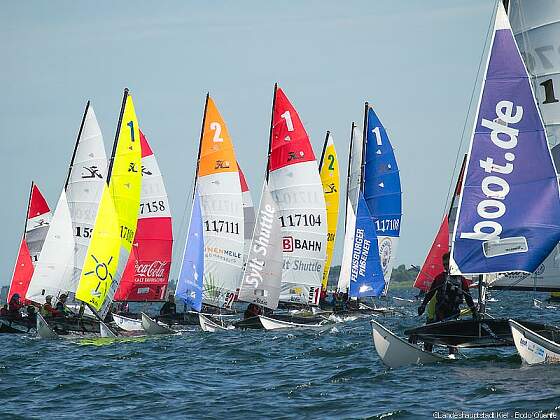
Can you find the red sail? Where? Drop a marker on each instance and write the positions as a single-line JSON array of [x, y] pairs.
[[147, 271], [37, 205], [433, 264], [22, 272], [290, 143]]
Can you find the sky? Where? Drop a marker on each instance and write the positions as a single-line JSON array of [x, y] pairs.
[[415, 61]]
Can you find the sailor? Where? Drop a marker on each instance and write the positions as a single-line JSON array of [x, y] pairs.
[[4, 310], [169, 308], [61, 305], [47, 310], [252, 311], [450, 292], [14, 306]]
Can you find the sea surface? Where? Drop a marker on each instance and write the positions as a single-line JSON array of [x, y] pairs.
[[259, 374]]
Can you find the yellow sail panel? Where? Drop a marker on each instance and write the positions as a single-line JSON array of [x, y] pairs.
[[100, 265], [331, 187], [126, 173], [216, 148]]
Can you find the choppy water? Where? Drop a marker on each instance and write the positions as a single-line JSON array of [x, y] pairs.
[[258, 374]]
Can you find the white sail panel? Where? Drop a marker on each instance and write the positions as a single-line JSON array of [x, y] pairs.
[[54, 270], [346, 265], [263, 271], [87, 177], [355, 172]]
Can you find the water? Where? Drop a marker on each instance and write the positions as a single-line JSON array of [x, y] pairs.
[[257, 374]]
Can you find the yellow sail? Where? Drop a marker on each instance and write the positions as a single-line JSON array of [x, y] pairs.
[[331, 187], [100, 264], [117, 215]]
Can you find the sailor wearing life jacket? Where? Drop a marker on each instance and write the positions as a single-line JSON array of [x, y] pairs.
[[450, 292]]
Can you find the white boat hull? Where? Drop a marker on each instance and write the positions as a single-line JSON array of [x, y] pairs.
[[396, 352], [210, 326], [154, 328], [276, 324], [128, 324], [532, 347]]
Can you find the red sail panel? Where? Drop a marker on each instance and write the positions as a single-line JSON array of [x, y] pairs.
[[290, 142], [146, 275], [242, 180], [22, 273], [433, 264], [37, 205]]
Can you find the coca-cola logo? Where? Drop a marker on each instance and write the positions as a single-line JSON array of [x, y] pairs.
[[156, 269]]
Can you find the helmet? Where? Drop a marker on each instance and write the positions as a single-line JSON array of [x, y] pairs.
[[48, 298]]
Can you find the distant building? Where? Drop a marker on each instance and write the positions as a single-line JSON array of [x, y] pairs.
[[4, 293]]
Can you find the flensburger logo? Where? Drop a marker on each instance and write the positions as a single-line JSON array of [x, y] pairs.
[[494, 185], [260, 247]]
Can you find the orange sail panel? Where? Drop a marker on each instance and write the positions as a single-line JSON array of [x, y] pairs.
[[147, 272]]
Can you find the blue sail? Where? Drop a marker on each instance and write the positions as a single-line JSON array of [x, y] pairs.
[[366, 274], [509, 212], [382, 182], [189, 284]]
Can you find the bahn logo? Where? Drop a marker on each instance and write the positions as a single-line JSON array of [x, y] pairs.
[[289, 244]]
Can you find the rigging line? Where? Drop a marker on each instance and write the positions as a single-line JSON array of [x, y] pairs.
[[182, 233], [482, 55]]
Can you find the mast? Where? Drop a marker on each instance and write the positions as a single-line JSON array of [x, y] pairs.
[[349, 172], [111, 160], [457, 185], [28, 207], [364, 144], [76, 145], [323, 151], [200, 142], [270, 134]]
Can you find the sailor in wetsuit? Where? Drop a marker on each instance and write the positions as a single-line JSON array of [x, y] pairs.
[[450, 292], [169, 308]]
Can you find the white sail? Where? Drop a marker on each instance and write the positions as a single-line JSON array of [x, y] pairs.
[[263, 271], [38, 219], [346, 265], [352, 194], [536, 27], [54, 270], [87, 177], [248, 213]]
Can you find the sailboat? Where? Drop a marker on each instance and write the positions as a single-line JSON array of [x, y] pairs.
[[373, 175], [248, 212], [146, 275], [535, 27], [507, 219], [330, 178], [293, 206], [115, 221], [37, 220], [218, 204]]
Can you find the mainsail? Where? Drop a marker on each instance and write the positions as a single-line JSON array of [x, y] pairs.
[[382, 189], [296, 187], [366, 274], [262, 276], [55, 268], [37, 221], [248, 213], [353, 185], [84, 186], [508, 217], [330, 179], [146, 274], [536, 27], [189, 283], [117, 216], [221, 202]]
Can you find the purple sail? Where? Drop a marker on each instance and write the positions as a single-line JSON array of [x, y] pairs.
[[509, 213]]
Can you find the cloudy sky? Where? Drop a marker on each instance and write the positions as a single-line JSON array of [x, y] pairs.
[[415, 61]]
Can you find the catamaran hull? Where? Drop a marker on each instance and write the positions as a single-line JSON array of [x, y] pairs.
[[535, 348], [208, 325], [154, 328], [277, 324], [468, 333], [15, 327], [396, 352], [44, 330], [127, 324]]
